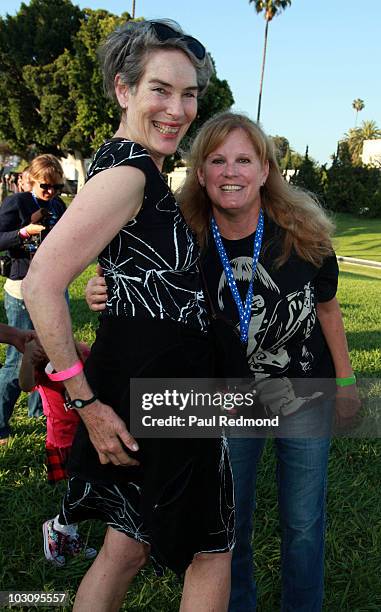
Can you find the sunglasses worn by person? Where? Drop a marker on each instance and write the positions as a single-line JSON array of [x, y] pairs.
[[56, 187], [165, 32]]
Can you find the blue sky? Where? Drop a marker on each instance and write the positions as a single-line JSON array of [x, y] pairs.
[[321, 56]]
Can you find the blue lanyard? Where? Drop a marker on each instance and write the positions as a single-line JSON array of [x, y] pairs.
[[244, 311], [48, 202], [35, 198]]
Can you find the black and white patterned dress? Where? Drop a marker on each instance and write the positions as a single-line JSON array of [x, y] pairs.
[[180, 498]]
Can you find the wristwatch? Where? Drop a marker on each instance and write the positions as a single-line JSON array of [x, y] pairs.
[[77, 404]]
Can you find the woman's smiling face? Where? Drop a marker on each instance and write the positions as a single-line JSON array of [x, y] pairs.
[[233, 174], [46, 186], [161, 108]]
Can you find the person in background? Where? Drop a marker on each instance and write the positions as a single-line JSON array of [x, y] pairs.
[[24, 183], [13, 182], [25, 220], [15, 337], [61, 425], [169, 499], [4, 187]]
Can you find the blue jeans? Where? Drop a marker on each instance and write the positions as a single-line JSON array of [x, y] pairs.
[[302, 481], [17, 316]]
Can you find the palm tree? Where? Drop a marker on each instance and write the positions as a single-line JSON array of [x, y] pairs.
[[358, 105], [356, 136], [270, 8], [133, 9]]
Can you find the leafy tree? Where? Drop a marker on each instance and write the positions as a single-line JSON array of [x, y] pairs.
[[51, 93], [270, 9], [40, 31], [217, 98], [350, 188], [339, 180], [296, 160], [96, 117], [282, 147], [287, 158], [356, 136], [285, 163], [5, 153], [358, 105], [32, 41], [291, 161], [308, 176], [78, 115]]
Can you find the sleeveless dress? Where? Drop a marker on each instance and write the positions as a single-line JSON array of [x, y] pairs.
[[180, 498]]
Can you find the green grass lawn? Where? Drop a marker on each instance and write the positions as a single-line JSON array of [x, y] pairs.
[[67, 199], [358, 237], [359, 295], [353, 550]]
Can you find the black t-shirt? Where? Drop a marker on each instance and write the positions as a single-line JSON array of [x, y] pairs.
[[285, 337]]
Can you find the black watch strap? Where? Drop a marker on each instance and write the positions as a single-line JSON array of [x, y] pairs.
[[77, 404]]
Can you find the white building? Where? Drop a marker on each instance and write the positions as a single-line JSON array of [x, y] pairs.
[[177, 178], [371, 152], [75, 168]]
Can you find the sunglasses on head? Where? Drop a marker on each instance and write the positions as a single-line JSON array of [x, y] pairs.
[[56, 187], [165, 32]]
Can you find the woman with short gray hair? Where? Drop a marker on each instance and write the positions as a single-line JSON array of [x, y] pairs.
[[170, 499], [126, 49]]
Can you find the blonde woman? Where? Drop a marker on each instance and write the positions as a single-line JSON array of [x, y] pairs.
[[25, 220], [241, 208]]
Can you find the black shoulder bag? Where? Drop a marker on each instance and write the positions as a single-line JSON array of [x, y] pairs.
[[5, 265]]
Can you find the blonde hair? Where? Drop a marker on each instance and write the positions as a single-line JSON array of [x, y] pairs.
[[307, 228], [45, 167]]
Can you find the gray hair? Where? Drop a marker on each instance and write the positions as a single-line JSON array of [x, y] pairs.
[[125, 52]]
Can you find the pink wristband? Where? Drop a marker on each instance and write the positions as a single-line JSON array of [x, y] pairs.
[[76, 368], [23, 233]]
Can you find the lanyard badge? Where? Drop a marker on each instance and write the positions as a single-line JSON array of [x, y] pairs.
[[244, 310]]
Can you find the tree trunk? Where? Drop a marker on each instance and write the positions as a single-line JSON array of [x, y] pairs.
[[80, 169], [263, 71], [133, 9]]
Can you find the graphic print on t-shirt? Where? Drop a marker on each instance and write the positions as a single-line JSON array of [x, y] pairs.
[[275, 319]]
